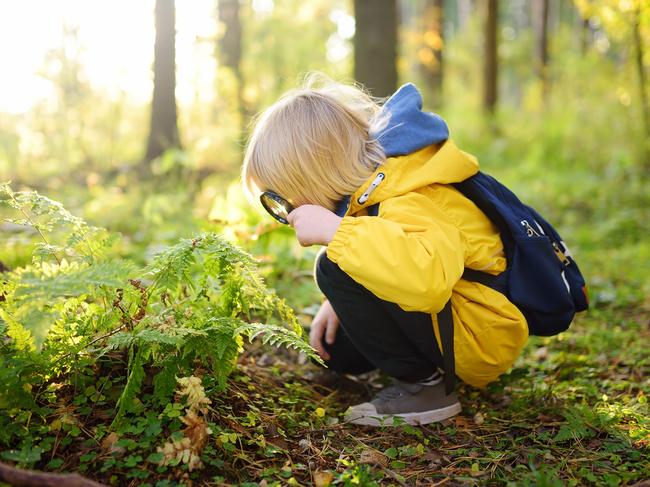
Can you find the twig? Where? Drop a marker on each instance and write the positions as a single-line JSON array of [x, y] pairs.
[[92, 342], [394, 476], [32, 478]]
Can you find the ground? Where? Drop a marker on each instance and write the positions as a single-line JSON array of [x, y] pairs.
[[571, 412]]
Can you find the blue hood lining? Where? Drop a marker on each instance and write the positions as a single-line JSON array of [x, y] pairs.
[[409, 128]]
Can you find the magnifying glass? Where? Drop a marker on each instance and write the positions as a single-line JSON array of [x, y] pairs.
[[277, 206]]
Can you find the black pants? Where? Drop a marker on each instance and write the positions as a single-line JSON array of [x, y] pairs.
[[375, 334]]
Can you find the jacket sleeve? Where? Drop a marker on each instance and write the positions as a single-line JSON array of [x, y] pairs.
[[411, 254]]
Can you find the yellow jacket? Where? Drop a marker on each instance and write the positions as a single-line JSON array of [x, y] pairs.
[[415, 252]]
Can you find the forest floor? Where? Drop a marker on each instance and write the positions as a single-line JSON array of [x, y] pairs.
[[573, 411]]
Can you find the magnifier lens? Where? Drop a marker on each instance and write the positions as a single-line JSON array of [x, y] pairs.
[[277, 207]]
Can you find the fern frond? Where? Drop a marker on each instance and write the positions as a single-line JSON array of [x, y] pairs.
[[173, 266], [20, 335], [133, 384], [278, 336], [44, 281]]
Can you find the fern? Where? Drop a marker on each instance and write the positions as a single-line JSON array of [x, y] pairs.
[[278, 336], [173, 267], [133, 384], [194, 305], [43, 281]]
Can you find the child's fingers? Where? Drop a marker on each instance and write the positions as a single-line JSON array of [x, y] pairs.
[[316, 339], [291, 217], [330, 332]]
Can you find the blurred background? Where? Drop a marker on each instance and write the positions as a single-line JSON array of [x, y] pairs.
[[135, 114]]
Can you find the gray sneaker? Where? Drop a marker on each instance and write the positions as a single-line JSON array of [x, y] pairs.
[[413, 403]]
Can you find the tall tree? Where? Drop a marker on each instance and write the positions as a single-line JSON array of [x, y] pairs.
[[585, 35], [540, 21], [375, 45], [490, 58], [643, 80], [464, 10], [164, 126], [430, 52], [230, 48]]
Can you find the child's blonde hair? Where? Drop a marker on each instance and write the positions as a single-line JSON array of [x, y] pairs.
[[314, 145]]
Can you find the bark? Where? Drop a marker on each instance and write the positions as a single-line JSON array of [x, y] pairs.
[[585, 36], [163, 133], [31, 478], [643, 95], [540, 19], [230, 50], [490, 66], [230, 42], [375, 45], [432, 70], [464, 10]]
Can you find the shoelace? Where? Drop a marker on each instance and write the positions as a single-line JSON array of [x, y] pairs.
[[435, 378]]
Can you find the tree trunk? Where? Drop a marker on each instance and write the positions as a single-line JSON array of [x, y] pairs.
[[230, 50], [164, 128], [464, 9], [375, 45], [490, 66], [540, 20], [643, 95], [430, 53], [585, 36]]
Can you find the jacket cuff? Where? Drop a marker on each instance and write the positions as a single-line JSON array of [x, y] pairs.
[[337, 245]]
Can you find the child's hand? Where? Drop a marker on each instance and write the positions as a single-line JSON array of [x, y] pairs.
[[325, 323], [314, 225]]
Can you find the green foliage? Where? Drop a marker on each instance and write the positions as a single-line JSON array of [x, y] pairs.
[[76, 303], [96, 326]]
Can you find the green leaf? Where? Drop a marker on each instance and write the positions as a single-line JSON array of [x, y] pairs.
[[391, 452], [26, 455]]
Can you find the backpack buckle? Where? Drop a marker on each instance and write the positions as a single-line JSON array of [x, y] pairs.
[[530, 231], [560, 255]]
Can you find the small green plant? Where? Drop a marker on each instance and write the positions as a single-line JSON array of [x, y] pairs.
[[77, 308]]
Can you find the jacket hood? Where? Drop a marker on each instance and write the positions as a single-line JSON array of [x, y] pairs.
[[418, 152], [408, 128]]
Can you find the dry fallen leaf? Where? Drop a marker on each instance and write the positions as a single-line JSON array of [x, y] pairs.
[[541, 353], [192, 388], [373, 457], [479, 419], [109, 444], [434, 458], [197, 430], [322, 479], [182, 451]]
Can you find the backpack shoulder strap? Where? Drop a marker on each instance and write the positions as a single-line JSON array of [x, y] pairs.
[[479, 276], [373, 210], [446, 329]]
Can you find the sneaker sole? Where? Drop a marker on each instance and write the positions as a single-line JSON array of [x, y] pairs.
[[415, 419]]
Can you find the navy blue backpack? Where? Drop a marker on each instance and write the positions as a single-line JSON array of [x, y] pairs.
[[541, 278]]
